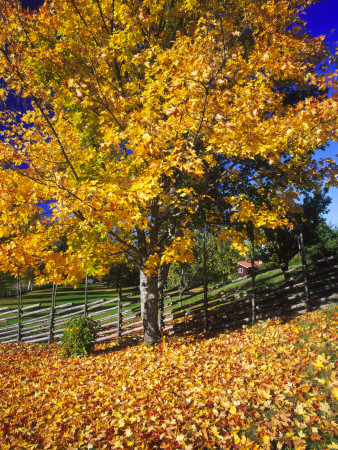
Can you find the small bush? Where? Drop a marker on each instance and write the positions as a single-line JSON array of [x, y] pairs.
[[79, 336]]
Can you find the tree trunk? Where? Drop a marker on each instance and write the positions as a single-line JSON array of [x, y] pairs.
[[284, 265], [285, 269], [149, 307]]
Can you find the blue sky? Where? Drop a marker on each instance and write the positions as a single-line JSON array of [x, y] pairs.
[[322, 18]]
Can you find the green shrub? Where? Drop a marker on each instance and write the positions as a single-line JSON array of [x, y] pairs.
[[79, 336]]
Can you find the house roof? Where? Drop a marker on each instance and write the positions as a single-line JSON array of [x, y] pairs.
[[247, 264]]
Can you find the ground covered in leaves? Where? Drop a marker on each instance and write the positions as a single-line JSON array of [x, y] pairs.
[[273, 385]]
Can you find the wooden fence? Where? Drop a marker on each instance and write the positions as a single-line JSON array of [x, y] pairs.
[[224, 306], [307, 288], [36, 324]]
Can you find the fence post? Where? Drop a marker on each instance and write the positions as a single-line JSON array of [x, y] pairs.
[[305, 271], [161, 310], [253, 283], [52, 313], [119, 314], [86, 296], [180, 295], [19, 305], [162, 277], [180, 289], [205, 287]]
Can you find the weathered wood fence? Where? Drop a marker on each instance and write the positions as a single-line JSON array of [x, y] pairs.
[[181, 312], [36, 324], [307, 288]]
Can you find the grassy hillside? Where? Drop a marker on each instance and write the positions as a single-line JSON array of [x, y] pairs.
[[65, 294], [273, 385]]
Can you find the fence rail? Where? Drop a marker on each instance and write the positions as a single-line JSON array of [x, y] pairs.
[[182, 310]]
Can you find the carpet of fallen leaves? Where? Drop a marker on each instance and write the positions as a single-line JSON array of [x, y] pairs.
[[273, 385]]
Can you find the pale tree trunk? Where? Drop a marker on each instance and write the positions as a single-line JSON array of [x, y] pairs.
[[149, 307]]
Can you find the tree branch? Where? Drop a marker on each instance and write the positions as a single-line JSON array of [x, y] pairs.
[[45, 116], [102, 17]]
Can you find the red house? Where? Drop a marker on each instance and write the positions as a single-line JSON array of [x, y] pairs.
[[244, 267]]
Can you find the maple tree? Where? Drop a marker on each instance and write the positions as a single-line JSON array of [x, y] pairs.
[[130, 106]]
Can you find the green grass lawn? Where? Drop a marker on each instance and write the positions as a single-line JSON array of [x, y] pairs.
[[192, 299], [97, 291], [65, 294], [42, 299]]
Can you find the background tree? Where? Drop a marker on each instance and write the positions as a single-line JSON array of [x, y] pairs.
[[282, 243], [325, 243], [121, 275], [130, 107], [221, 263], [7, 283]]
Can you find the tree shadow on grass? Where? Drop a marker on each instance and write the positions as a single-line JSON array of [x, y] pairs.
[[193, 325], [111, 346]]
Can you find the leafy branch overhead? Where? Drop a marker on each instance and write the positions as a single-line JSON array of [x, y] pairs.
[[143, 117]]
